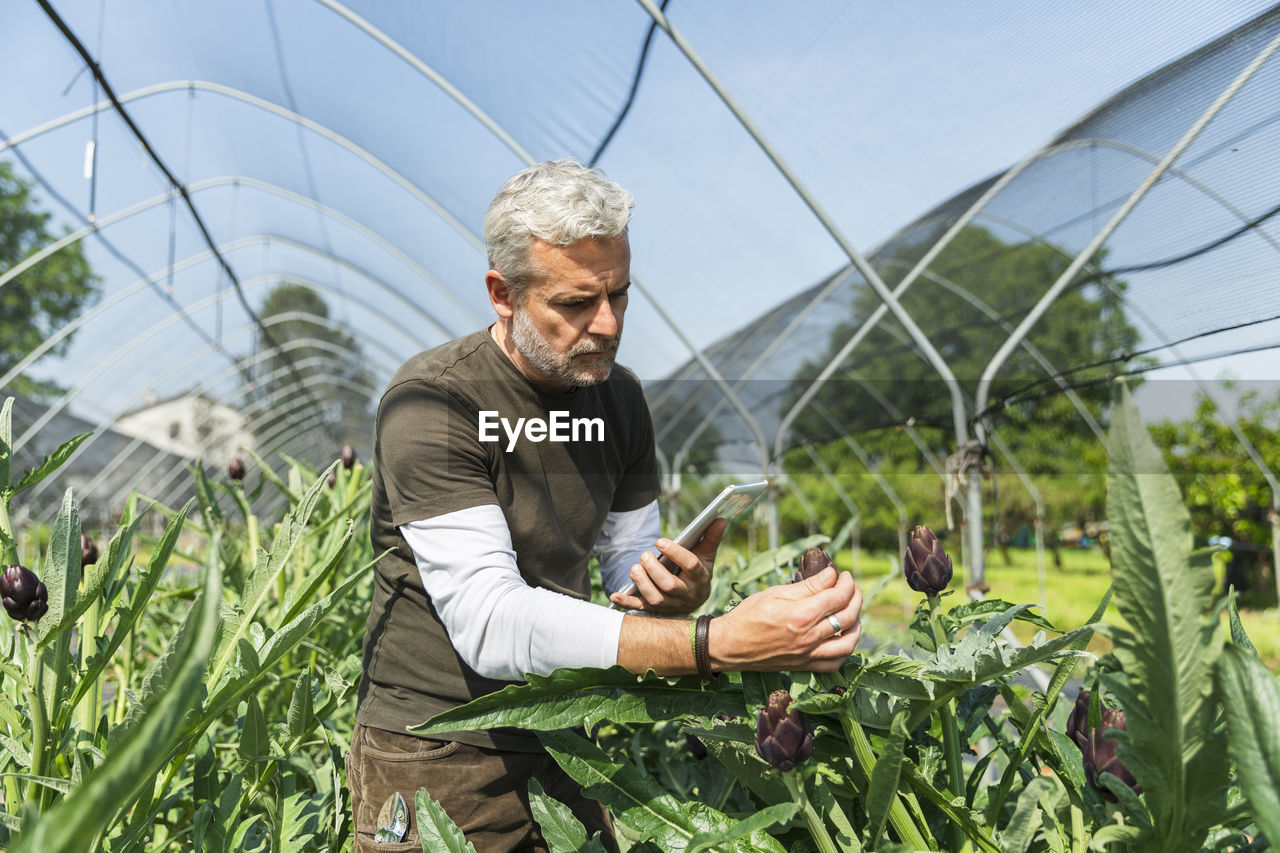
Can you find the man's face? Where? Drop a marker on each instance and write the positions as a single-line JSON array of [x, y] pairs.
[[568, 321]]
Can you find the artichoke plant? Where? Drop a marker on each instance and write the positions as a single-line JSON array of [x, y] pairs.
[[347, 456], [1098, 752], [235, 468], [88, 551], [926, 565], [25, 597], [782, 738], [813, 562]]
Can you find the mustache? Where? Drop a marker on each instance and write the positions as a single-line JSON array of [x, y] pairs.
[[596, 347]]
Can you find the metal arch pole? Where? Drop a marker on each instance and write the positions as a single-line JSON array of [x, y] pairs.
[[150, 464], [141, 338], [1039, 522], [288, 346], [773, 346], [1031, 349], [431, 74], [881, 481], [988, 374], [526, 158], [140, 284], [868, 273], [855, 514], [137, 442]]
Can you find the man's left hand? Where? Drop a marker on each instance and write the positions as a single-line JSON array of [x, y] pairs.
[[662, 592]]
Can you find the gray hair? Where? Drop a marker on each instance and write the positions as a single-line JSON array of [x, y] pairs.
[[559, 202]]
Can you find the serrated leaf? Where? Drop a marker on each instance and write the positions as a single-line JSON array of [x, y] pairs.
[[752, 829], [1168, 652], [1251, 698], [74, 822], [570, 697], [635, 799], [6, 447], [20, 752], [982, 656], [126, 617], [973, 611], [51, 462], [62, 786], [561, 830], [436, 831], [61, 571]]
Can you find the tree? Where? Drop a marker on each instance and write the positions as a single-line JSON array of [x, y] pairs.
[[1085, 326], [317, 352], [43, 298]]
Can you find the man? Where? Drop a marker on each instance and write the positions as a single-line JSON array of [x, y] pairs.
[[502, 461]]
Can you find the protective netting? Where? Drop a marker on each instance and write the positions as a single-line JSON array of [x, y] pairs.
[[281, 201]]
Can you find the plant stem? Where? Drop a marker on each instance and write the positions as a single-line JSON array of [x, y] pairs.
[[813, 820], [39, 726], [950, 731], [899, 819]]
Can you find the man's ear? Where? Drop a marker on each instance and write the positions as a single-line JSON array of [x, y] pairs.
[[500, 295]]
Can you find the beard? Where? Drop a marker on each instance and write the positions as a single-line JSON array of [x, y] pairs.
[[559, 367]]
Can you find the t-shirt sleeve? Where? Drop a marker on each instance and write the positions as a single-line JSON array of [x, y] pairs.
[[429, 453], [639, 484]]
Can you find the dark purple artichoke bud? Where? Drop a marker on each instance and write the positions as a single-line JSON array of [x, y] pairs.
[[348, 456], [926, 565], [333, 478], [783, 739], [88, 551], [235, 468], [25, 597], [813, 562], [1098, 752], [696, 747]]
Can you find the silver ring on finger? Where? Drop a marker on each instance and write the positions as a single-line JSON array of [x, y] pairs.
[[835, 624]]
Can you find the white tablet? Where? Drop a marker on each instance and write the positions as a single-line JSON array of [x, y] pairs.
[[730, 504]]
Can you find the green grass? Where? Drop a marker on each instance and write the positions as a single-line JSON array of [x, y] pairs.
[[1072, 593]]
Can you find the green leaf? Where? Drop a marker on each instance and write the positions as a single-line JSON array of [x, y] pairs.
[[973, 611], [1169, 650], [981, 655], [62, 786], [62, 580], [636, 799], [884, 778], [6, 448], [561, 830], [253, 742], [1251, 698], [572, 697], [76, 820], [300, 718], [1238, 635], [750, 828], [126, 617], [1027, 817], [436, 831], [51, 462]]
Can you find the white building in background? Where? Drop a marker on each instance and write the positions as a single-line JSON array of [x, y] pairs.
[[190, 425]]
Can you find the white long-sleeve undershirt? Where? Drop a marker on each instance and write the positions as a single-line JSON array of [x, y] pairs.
[[501, 626]]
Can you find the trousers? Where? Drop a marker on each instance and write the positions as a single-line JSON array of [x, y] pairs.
[[484, 791]]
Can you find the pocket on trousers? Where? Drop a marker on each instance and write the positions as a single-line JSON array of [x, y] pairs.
[[387, 763]]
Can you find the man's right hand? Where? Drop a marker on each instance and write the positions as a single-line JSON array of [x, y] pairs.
[[786, 626], [782, 627]]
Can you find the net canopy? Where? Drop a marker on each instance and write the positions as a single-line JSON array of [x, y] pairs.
[[269, 205]]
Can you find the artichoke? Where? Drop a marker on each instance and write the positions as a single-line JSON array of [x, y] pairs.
[[813, 562], [783, 739], [88, 551], [926, 565], [235, 468], [1098, 752], [348, 456], [332, 479], [25, 597]]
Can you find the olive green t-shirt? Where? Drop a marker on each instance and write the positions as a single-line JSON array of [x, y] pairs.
[[595, 455]]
